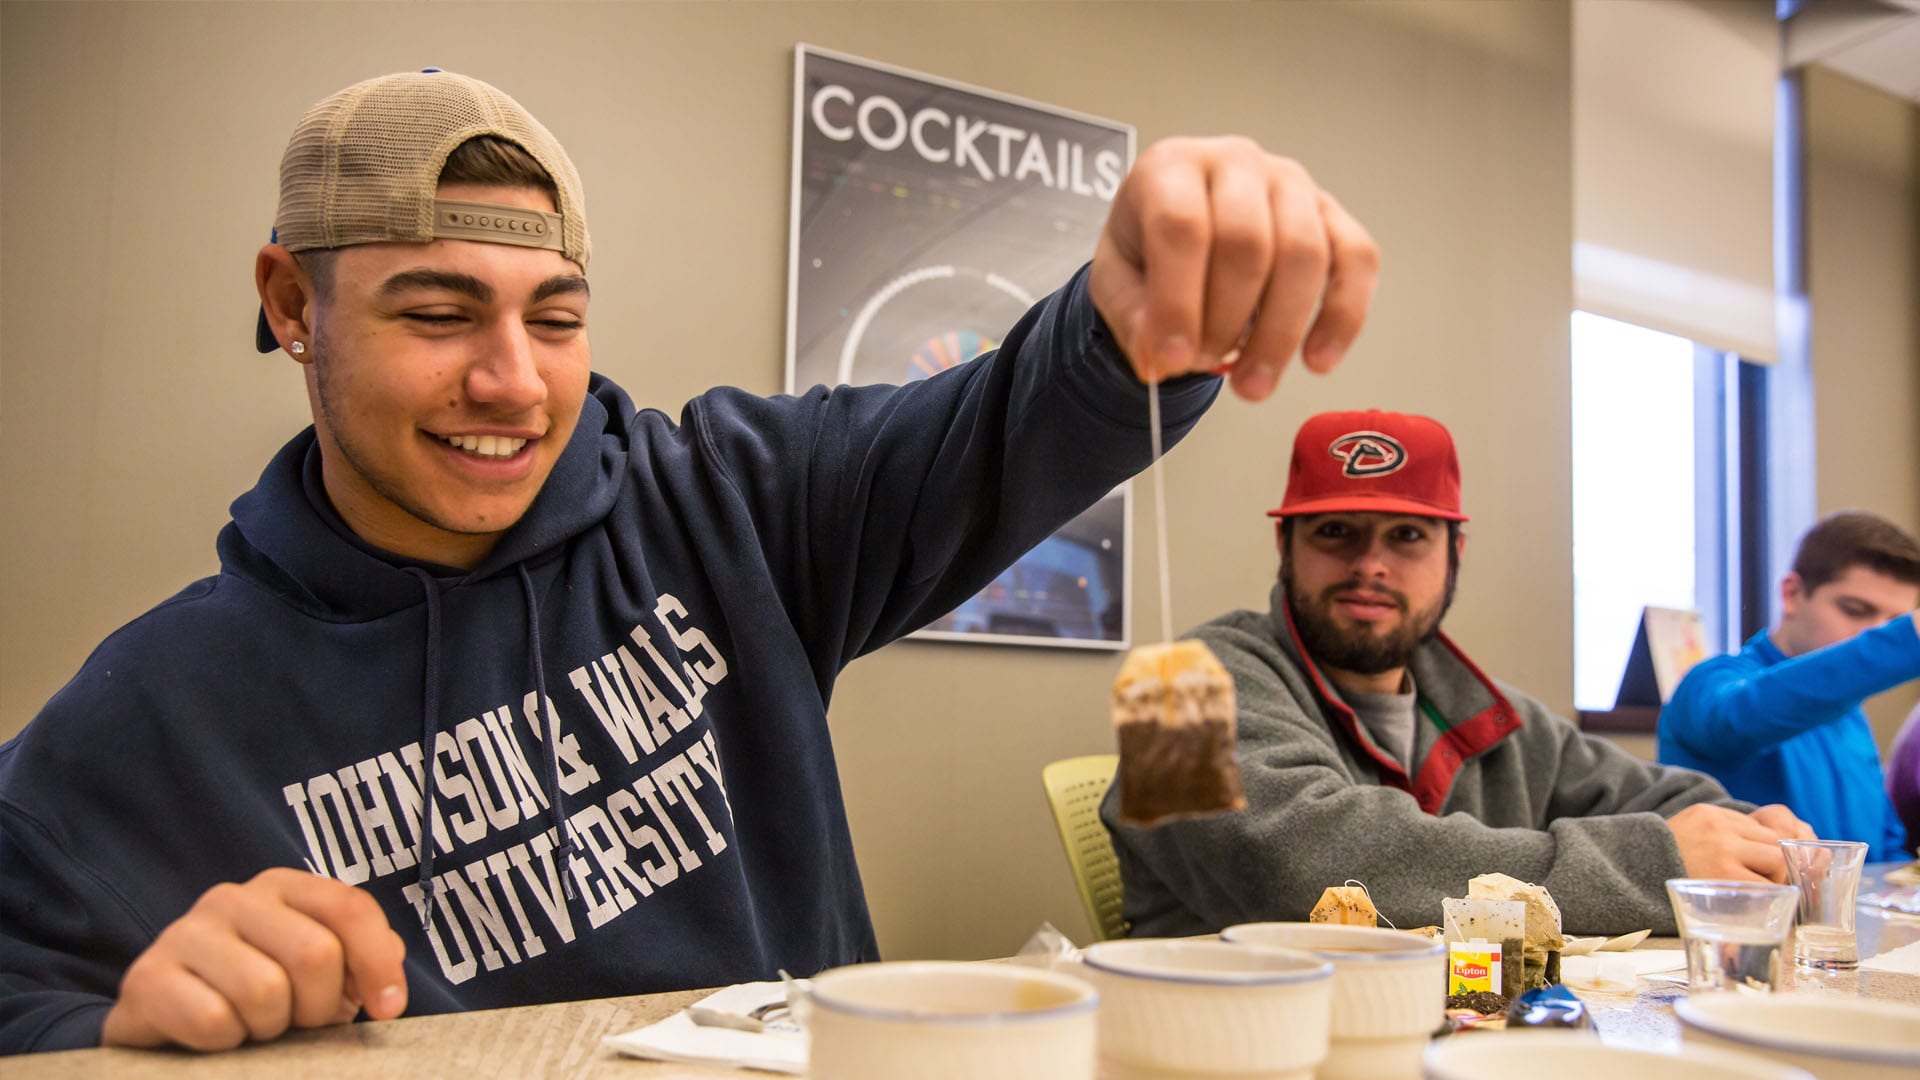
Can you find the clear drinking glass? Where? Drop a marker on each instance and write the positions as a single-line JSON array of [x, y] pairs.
[[1733, 931], [1828, 875]]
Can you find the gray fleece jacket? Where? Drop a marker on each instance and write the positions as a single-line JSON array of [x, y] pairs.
[[1506, 786]]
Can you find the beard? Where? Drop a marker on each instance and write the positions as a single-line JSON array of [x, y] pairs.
[[1360, 649]]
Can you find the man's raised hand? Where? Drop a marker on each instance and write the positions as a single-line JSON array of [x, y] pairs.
[[1217, 252]]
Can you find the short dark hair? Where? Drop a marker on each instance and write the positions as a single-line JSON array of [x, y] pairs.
[[1856, 538], [491, 160], [483, 159]]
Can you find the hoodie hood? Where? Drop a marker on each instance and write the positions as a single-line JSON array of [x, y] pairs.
[[283, 534], [284, 531]]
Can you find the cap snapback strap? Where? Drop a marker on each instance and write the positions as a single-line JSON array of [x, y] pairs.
[[497, 224]]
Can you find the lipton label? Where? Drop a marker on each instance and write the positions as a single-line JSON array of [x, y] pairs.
[[1473, 965]]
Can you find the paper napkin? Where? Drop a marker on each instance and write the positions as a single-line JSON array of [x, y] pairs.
[[1905, 959], [780, 1048]]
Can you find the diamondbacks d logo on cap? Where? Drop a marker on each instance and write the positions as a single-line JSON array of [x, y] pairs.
[[1368, 453]]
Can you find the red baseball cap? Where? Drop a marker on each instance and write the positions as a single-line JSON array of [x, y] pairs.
[[1374, 462]]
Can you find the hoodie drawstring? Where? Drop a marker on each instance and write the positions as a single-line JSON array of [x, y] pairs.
[[429, 727], [547, 733]]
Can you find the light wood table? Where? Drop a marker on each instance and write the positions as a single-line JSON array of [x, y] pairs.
[[563, 1040]]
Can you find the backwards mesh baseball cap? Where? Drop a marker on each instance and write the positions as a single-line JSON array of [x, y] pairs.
[[363, 167], [1374, 462]]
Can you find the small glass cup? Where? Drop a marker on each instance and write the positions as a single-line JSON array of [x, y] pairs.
[[1734, 931], [1827, 873]]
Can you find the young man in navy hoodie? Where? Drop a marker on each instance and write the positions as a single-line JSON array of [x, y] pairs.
[[509, 692]]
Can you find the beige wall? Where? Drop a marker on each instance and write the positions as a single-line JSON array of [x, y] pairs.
[[139, 156], [1863, 281]]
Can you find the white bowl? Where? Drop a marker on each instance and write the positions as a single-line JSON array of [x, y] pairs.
[[947, 1020], [1834, 1036], [1210, 1009], [1578, 1055], [1389, 993]]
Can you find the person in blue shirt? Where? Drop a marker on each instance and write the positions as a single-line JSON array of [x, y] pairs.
[[1781, 721]]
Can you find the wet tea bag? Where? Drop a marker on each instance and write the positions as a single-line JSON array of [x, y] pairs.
[[1173, 706], [1174, 715]]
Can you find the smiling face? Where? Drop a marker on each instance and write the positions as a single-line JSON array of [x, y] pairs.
[[1859, 598], [1365, 590], [445, 379]]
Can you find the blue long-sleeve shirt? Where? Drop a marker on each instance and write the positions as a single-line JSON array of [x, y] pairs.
[[1779, 730]]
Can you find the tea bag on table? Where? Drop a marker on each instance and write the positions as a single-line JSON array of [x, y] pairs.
[[1345, 905], [1174, 715], [1544, 938], [1496, 922]]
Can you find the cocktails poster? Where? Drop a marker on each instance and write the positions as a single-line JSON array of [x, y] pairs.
[[927, 217]]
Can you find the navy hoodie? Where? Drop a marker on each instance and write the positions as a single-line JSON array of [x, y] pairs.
[[684, 595]]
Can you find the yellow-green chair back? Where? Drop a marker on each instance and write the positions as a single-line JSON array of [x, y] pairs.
[[1075, 787]]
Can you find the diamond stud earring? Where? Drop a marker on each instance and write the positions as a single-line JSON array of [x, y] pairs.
[[296, 348]]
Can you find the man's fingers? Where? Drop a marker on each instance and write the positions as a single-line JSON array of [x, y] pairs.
[[126, 1026], [1293, 290], [1174, 214], [309, 954], [1749, 828], [1216, 254], [162, 1002], [1765, 859], [1240, 258], [1783, 822], [1353, 274], [198, 1017], [1716, 842], [249, 961], [257, 988], [1756, 846], [373, 954]]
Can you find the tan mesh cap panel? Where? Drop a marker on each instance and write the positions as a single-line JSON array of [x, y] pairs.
[[362, 165]]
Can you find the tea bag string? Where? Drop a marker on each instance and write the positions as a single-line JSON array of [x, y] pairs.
[[1369, 896], [1160, 511], [1159, 482]]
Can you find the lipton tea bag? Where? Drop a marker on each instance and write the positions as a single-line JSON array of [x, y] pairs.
[[1502, 923], [1345, 905], [1173, 713], [1543, 915], [1544, 939]]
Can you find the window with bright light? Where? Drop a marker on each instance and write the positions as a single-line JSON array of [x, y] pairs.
[[1636, 467]]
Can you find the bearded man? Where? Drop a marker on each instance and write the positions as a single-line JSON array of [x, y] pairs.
[[1372, 749]]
